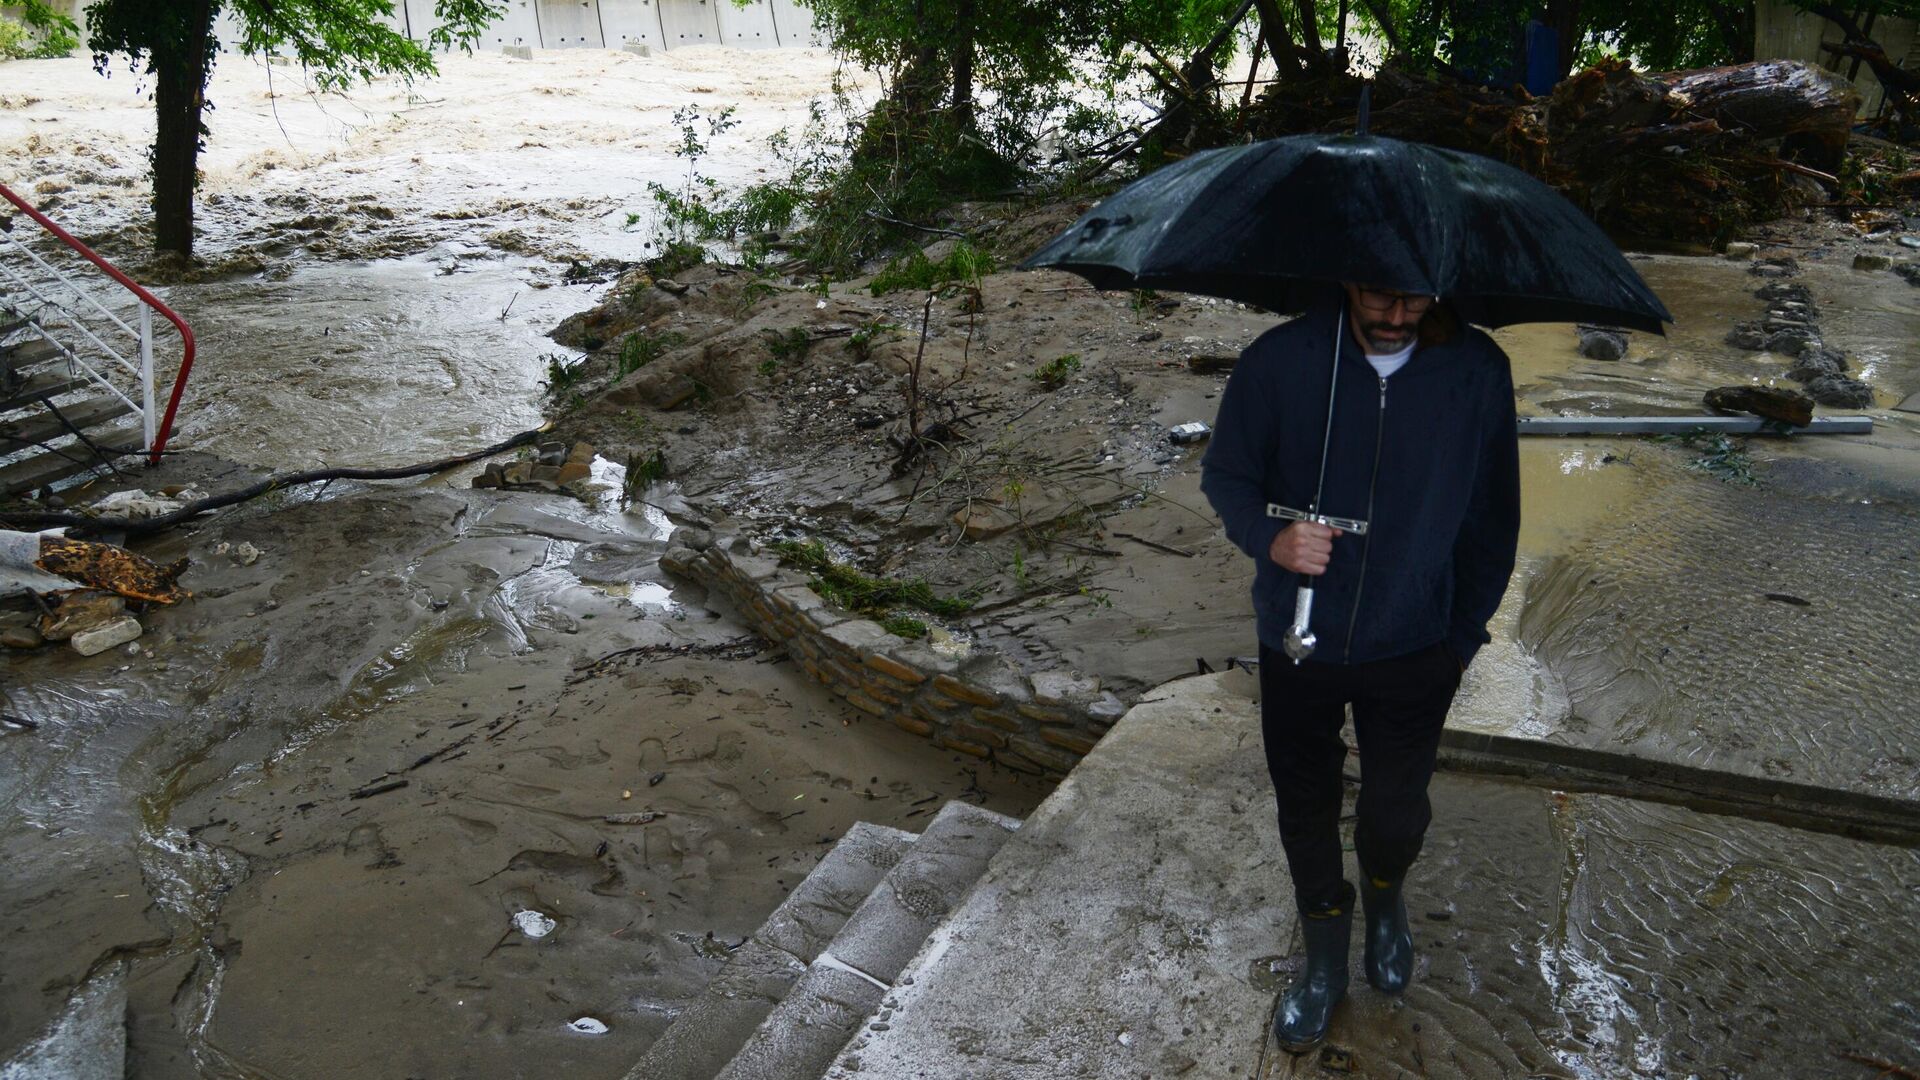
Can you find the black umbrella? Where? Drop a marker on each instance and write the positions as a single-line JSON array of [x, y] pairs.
[[1266, 222]]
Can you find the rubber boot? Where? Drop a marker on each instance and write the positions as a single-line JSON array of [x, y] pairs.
[[1389, 958], [1307, 1008]]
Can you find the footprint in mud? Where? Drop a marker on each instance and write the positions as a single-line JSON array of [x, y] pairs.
[[582, 871], [473, 830], [367, 840], [563, 758]]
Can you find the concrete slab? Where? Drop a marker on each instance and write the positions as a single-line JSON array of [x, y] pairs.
[[1140, 924], [1911, 404], [630, 23], [749, 27]]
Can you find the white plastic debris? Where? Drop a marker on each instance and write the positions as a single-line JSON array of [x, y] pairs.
[[587, 1025], [135, 505], [99, 639], [533, 923]]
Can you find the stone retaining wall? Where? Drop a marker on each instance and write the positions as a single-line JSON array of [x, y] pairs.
[[981, 705]]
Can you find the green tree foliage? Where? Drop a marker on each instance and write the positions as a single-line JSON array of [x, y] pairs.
[[36, 31], [337, 42]]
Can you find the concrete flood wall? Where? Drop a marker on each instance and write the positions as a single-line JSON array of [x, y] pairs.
[[609, 24], [979, 705]]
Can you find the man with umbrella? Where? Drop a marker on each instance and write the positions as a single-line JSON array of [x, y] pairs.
[[1421, 449], [1365, 452]]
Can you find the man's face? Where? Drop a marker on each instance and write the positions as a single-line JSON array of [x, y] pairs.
[[1385, 321]]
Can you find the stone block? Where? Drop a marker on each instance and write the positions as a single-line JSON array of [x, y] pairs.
[[797, 598], [1108, 710], [857, 636], [639, 48], [80, 612], [948, 742], [580, 454], [888, 666], [977, 733], [966, 692], [99, 639], [1062, 687], [1046, 714], [998, 719], [1740, 250], [865, 704], [572, 473], [1047, 757], [926, 660], [929, 714], [1071, 741], [517, 52], [881, 692], [911, 723], [755, 567], [1864, 261]]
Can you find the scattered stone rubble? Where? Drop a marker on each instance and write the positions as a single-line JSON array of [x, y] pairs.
[[554, 467], [1791, 328]]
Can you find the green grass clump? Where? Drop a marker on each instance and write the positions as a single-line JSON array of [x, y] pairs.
[[846, 587], [1722, 457], [965, 263], [1054, 374], [905, 626], [641, 349]]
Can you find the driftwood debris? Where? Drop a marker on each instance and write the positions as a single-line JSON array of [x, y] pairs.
[[1687, 156]]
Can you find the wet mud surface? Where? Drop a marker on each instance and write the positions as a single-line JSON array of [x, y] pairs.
[[1586, 936], [310, 805]]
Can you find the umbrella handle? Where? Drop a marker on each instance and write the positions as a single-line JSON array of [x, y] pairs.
[[1300, 640]]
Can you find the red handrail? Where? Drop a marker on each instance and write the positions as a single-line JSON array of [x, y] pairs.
[[186, 334]]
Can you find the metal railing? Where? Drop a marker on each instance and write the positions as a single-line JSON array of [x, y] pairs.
[[77, 313]]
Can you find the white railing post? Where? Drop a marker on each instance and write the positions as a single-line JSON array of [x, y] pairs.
[[146, 375]]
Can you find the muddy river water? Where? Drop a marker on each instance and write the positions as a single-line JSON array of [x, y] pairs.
[[188, 837]]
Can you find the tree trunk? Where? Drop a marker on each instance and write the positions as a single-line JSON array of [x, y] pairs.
[[180, 79], [1563, 18], [963, 64], [1310, 35], [1273, 29]]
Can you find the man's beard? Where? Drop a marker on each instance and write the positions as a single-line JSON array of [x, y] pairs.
[[1385, 337]]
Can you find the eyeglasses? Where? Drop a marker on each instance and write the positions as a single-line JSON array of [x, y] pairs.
[[1381, 301]]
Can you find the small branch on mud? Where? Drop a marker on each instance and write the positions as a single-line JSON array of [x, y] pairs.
[[20, 722], [736, 649], [371, 790], [87, 525], [1156, 545], [1887, 1068], [877, 216]]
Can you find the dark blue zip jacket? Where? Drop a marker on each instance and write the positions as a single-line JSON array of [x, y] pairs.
[[1429, 457]]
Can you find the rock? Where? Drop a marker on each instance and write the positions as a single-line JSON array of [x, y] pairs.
[[81, 611], [581, 454], [487, 479], [1909, 272], [983, 521], [518, 472], [1781, 290], [1063, 687], [1212, 363], [246, 554], [1908, 241], [1816, 362], [1746, 335], [1785, 320], [1601, 343], [688, 536], [21, 637], [1840, 392], [668, 285], [1772, 403], [1864, 261], [553, 453], [572, 472], [1791, 342], [100, 638], [1778, 267], [1740, 250]]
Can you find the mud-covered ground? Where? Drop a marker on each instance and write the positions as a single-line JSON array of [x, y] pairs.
[[184, 822]]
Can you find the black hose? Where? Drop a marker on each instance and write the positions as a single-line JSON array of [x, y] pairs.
[[134, 527]]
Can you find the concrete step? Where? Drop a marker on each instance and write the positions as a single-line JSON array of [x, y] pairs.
[[848, 980], [762, 970], [70, 459], [1113, 935], [25, 354], [18, 433]]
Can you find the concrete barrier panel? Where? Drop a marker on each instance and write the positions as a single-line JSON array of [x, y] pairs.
[[749, 27], [631, 21], [570, 24], [689, 22], [794, 25], [518, 25]]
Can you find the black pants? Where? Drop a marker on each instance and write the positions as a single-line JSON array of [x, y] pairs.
[[1399, 706]]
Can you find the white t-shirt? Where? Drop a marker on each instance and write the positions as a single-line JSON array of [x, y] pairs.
[[1388, 363]]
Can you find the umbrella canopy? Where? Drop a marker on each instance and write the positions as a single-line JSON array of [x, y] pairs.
[[1268, 223]]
